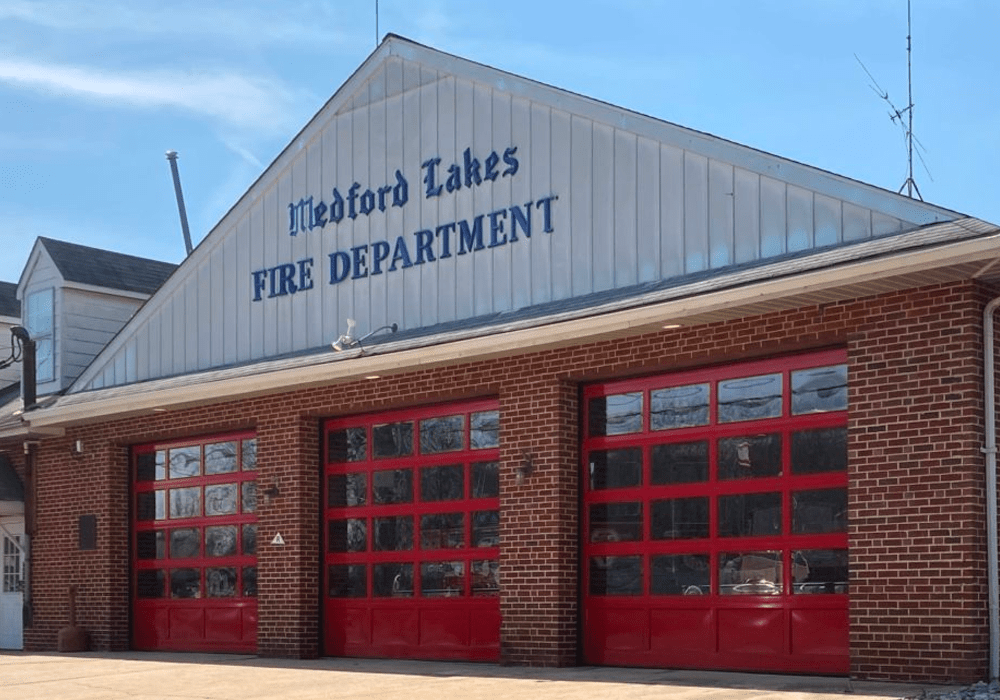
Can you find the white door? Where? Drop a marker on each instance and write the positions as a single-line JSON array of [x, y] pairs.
[[11, 584]]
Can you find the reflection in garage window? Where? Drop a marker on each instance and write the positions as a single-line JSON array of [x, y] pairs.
[[442, 483], [220, 457], [346, 490], [817, 571], [392, 440], [250, 581], [347, 445], [442, 434], [348, 581], [442, 531], [392, 486], [442, 579], [485, 480], [249, 454], [680, 463], [616, 415], [486, 528], [392, 580], [750, 457], [220, 582], [249, 496], [678, 407], [819, 389], [819, 451], [819, 511], [185, 542], [149, 583], [350, 535], [486, 578], [615, 522], [220, 541], [485, 430], [750, 573], [393, 533], [185, 583], [616, 575], [615, 469], [750, 398], [185, 503], [185, 462], [220, 499], [744, 515], [679, 518], [150, 544], [249, 539], [680, 574]]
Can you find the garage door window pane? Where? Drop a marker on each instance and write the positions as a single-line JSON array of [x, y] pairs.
[[616, 576], [485, 430], [220, 457], [220, 541], [393, 534], [185, 542], [485, 480], [150, 544], [819, 511], [220, 499], [819, 390], [680, 574], [151, 466], [750, 398], [185, 462], [348, 581], [486, 578], [346, 490], [615, 469], [817, 451], [750, 573], [392, 440], [442, 483], [349, 535], [818, 571], [185, 583], [185, 503], [221, 582], [444, 434], [752, 514], [347, 445], [250, 539], [678, 407], [750, 457], [442, 531], [615, 522], [392, 580], [680, 463], [249, 581], [151, 505], [249, 457], [679, 519], [248, 490], [486, 528], [442, 579], [616, 415], [392, 486]]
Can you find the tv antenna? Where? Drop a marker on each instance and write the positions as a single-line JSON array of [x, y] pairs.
[[898, 116]]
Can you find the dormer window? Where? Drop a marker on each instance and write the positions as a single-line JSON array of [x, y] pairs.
[[39, 318]]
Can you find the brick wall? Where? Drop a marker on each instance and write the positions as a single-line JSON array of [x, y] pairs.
[[916, 492]]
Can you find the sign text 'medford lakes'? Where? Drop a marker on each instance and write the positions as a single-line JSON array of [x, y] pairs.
[[481, 231]]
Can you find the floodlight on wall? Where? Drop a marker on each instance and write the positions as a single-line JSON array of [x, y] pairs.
[[348, 341]]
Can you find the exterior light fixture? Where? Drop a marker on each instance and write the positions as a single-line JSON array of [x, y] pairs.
[[671, 326], [348, 341]]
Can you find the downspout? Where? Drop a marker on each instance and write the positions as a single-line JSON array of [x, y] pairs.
[[990, 450]]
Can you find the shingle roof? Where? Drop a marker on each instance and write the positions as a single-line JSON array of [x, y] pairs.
[[9, 305], [103, 268]]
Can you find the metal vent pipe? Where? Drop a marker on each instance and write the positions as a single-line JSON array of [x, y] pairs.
[[172, 157]]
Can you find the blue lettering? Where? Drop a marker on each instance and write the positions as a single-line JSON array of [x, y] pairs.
[[367, 202], [360, 263], [401, 253], [454, 181], [382, 192], [520, 218], [496, 228], [430, 165], [305, 274], [259, 282], [352, 196], [319, 215], [286, 279], [425, 239], [510, 160], [444, 232], [492, 160], [401, 192], [272, 278], [471, 169], [469, 241], [340, 266], [546, 205], [336, 207], [380, 252]]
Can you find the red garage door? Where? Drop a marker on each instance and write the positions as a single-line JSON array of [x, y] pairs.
[[194, 545], [411, 537], [714, 518]]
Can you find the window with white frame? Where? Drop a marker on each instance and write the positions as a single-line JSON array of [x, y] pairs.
[[39, 319]]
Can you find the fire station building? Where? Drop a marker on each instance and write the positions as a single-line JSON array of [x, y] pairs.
[[481, 369]]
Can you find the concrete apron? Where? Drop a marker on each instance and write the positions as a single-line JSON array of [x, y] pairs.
[[142, 676]]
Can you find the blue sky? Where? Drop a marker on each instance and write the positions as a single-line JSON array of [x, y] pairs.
[[93, 92]]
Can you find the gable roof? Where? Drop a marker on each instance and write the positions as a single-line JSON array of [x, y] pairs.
[[9, 305], [104, 268]]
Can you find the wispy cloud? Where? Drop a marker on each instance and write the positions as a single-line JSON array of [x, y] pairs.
[[250, 103], [285, 22]]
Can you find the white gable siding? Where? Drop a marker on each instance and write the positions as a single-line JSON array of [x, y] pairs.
[[89, 320], [637, 200], [40, 275]]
